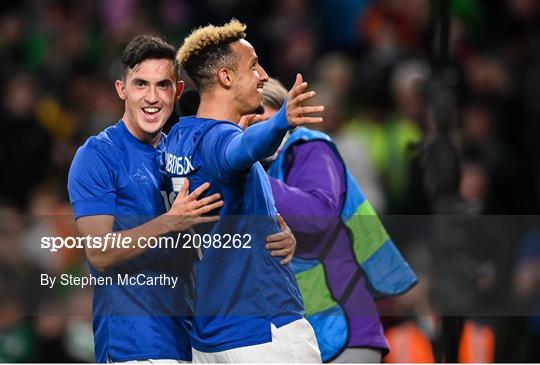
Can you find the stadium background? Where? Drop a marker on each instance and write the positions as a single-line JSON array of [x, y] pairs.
[[370, 62]]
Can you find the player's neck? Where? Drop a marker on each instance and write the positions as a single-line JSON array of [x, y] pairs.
[[212, 107], [146, 138]]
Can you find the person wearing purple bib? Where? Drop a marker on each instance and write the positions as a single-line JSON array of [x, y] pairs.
[[312, 189]]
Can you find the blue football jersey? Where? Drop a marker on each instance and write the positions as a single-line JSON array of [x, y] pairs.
[[240, 288], [115, 174]]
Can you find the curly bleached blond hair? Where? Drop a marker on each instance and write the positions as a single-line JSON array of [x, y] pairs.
[[207, 49]]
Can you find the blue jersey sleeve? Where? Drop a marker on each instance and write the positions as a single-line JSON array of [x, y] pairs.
[[213, 149], [257, 142], [91, 184], [233, 152]]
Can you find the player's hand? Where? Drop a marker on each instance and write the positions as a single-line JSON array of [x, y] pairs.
[[298, 114], [282, 243], [249, 119], [187, 211]]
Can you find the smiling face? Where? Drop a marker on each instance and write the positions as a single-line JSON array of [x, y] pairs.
[[149, 91], [249, 80]]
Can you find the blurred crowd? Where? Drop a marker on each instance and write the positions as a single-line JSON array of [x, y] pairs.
[[371, 62]]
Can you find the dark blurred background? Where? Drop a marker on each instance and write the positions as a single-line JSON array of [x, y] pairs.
[[374, 66]]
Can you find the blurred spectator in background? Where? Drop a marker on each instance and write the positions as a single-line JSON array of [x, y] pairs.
[[335, 75], [388, 142], [418, 337], [293, 29], [524, 332], [25, 144]]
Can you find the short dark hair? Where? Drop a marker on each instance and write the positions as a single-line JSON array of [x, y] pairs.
[[207, 49], [146, 47]]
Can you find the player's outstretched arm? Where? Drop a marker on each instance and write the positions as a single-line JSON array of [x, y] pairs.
[[186, 212], [263, 139]]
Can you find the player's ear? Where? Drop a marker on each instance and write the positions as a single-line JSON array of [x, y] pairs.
[[179, 88], [225, 77], [120, 89]]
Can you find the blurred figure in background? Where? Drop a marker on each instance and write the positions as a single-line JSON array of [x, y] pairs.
[[335, 75], [524, 332], [419, 338], [388, 141], [25, 144]]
